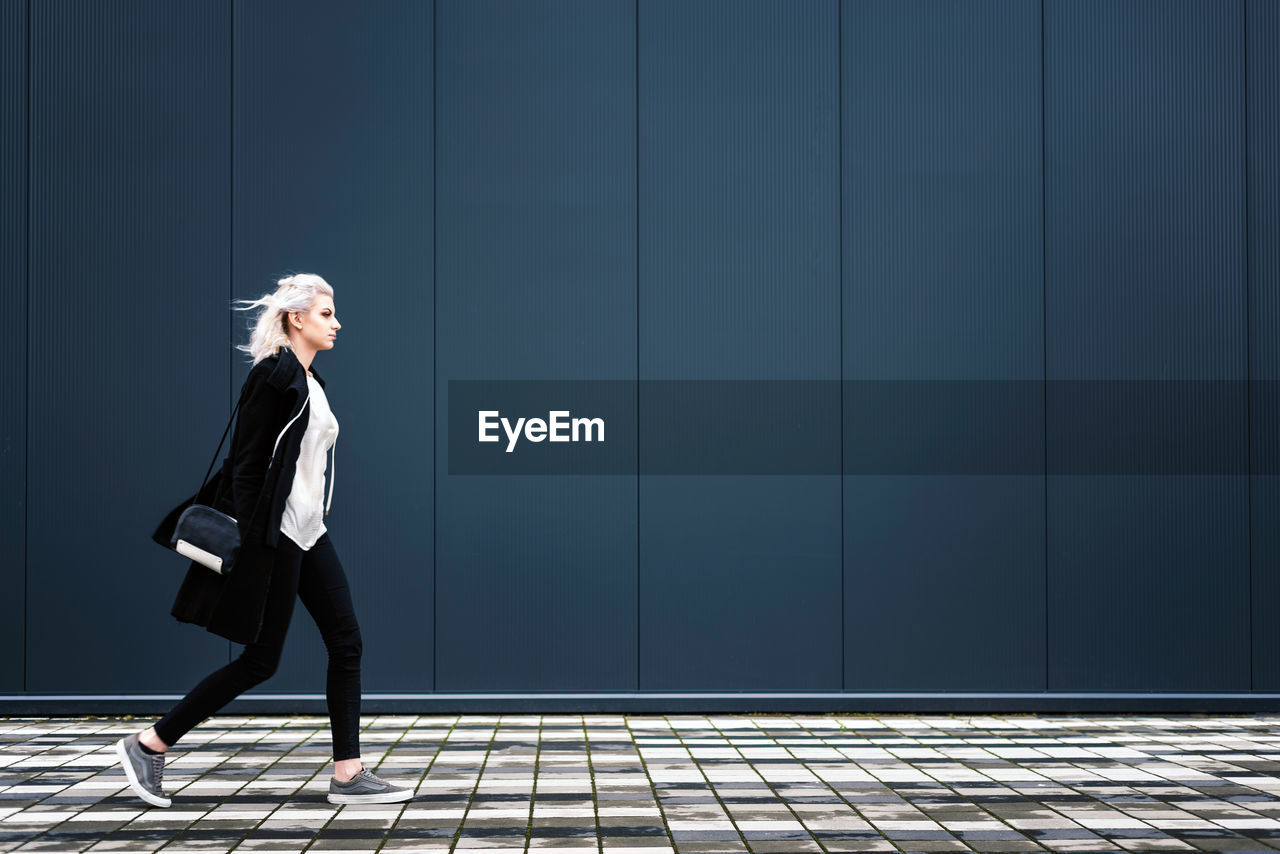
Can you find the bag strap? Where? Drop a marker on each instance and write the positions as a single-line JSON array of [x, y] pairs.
[[219, 448], [220, 441]]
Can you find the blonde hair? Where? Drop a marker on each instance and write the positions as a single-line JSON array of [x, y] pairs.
[[293, 293]]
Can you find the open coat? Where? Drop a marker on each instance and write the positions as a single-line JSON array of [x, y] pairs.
[[252, 486]]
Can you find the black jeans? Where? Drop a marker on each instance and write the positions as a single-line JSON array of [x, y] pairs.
[[315, 576]]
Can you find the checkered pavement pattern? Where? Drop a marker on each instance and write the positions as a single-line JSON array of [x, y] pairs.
[[660, 783]]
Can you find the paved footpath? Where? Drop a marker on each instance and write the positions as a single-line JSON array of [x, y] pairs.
[[653, 783]]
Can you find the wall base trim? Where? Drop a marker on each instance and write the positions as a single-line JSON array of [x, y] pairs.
[[737, 702]]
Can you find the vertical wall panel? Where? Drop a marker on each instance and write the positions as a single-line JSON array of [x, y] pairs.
[[943, 312], [536, 575], [333, 176], [739, 280], [1145, 234], [13, 340], [1263, 143], [128, 330]]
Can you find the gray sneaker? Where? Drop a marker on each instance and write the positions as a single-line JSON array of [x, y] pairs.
[[144, 771], [366, 788]]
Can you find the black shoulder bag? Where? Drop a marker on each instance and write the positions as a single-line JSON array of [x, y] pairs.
[[203, 534]]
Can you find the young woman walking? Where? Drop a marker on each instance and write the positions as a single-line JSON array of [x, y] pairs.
[[272, 483]]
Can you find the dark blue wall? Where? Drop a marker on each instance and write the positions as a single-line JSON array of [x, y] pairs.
[[1262, 142], [739, 214], [535, 279], [332, 173], [942, 280], [127, 349], [1023, 255], [13, 340], [1145, 284]]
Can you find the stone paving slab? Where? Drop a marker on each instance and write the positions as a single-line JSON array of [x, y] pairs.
[[651, 784]]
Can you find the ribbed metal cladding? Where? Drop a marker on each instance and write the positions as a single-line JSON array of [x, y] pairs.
[[13, 340], [127, 351], [1263, 142], [943, 258], [732, 189], [535, 213], [738, 112], [1145, 281], [333, 176]]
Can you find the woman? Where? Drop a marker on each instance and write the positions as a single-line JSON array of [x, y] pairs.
[[272, 483]]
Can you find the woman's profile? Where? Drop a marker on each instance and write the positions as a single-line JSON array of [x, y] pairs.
[[272, 482]]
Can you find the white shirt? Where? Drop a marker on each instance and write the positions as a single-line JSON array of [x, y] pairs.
[[304, 509]]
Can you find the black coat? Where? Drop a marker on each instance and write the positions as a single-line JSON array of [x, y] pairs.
[[252, 486]]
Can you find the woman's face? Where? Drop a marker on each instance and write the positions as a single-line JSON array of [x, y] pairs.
[[319, 325]]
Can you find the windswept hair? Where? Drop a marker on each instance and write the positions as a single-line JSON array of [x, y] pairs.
[[293, 293]]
